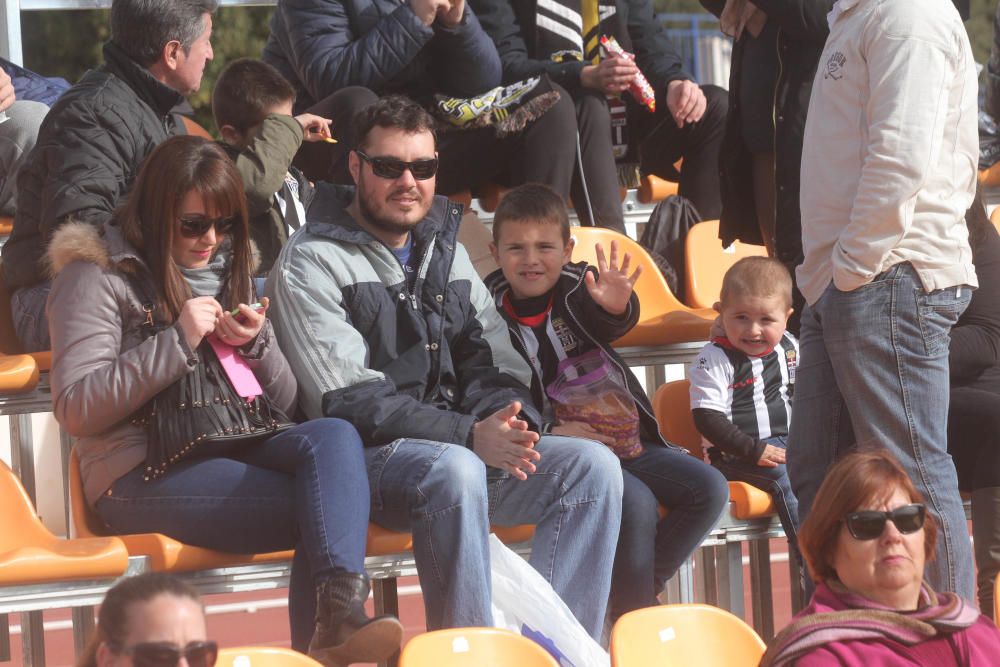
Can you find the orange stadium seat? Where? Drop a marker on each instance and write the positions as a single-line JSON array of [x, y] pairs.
[[663, 319], [263, 656], [706, 262], [672, 407], [684, 634], [482, 647]]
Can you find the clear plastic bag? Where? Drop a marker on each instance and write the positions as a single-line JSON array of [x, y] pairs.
[[589, 388]]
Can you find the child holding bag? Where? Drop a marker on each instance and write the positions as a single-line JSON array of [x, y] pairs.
[[562, 318]]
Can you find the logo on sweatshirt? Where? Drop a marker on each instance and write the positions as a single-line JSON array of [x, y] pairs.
[[835, 66]]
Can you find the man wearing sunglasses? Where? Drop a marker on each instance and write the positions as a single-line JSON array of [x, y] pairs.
[[96, 136], [386, 324]]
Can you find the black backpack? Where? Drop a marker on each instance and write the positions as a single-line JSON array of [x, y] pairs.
[[664, 237]]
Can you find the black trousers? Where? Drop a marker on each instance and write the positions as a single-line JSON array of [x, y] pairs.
[[974, 437], [659, 144], [543, 153]]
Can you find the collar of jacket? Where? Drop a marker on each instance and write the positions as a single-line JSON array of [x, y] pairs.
[[328, 217], [161, 98]]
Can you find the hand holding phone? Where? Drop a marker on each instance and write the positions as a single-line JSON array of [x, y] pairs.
[[241, 325], [258, 308]]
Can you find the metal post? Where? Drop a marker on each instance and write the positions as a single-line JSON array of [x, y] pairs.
[[22, 452], [4, 638], [760, 588], [731, 579], [83, 628], [709, 575], [386, 596], [10, 31], [32, 639]]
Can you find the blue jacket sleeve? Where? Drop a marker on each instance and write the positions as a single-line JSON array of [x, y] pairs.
[[464, 59]]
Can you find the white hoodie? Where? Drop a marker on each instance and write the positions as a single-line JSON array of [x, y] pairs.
[[891, 147]]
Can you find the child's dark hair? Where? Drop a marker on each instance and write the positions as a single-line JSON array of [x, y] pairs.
[[532, 202], [247, 89], [112, 621], [757, 277]]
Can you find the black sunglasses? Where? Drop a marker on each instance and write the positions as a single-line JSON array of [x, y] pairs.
[[168, 654], [195, 226], [392, 168], [869, 524]]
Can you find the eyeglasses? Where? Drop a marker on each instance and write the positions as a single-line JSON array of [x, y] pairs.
[[195, 226], [168, 654], [392, 168], [869, 525]]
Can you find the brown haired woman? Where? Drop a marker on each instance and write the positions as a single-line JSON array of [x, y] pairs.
[[134, 308], [866, 542]]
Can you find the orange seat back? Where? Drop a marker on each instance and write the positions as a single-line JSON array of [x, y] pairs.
[[195, 129], [672, 407], [263, 656], [482, 647], [85, 522], [706, 262], [652, 289], [19, 523], [684, 634]]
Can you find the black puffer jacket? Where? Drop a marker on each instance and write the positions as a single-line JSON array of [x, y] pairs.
[[511, 25], [322, 46], [801, 34], [88, 153]]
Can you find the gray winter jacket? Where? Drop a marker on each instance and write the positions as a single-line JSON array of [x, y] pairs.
[[396, 364], [105, 368]]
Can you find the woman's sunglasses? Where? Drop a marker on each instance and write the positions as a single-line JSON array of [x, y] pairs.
[[869, 524], [167, 654], [392, 168], [195, 226]]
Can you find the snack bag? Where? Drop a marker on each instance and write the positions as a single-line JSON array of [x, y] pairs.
[[639, 87], [590, 389]]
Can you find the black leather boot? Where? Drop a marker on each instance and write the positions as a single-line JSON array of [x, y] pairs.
[[344, 633]]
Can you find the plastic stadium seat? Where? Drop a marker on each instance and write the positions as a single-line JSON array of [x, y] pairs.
[[30, 554], [706, 262], [990, 176], [672, 407], [663, 319], [474, 647], [195, 129], [653, 189], [6, 225], [263, 656], [684, 634]]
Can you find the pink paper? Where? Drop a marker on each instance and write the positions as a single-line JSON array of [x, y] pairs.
[[239, 372]]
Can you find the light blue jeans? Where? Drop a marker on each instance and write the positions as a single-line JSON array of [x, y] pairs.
[[447, 497], [873, 371]]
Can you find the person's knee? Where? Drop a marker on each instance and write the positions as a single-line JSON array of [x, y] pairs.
[[640, 509], [333, 432], [456, 477], [596, 466], [559, 119], [592, 109]]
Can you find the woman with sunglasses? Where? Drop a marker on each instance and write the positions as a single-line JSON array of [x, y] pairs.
[[865, 543], [131, 303], [150, 620]]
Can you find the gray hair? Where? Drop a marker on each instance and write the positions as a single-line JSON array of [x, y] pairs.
[[143, 27]]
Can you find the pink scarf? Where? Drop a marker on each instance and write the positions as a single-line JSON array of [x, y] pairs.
[[936, 614]]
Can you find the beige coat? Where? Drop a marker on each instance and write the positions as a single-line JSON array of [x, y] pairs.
[[105, 368]]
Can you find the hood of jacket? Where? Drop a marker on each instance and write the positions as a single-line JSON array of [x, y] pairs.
[[103, 245]]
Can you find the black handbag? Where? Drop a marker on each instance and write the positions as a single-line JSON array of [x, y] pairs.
[[200, 409]]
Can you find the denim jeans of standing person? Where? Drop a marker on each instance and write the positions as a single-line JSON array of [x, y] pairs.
[[447, 497], [873, 371], [305, 488], [651, 549]]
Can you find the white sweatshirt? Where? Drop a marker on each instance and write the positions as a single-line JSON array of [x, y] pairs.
[[891, 147]]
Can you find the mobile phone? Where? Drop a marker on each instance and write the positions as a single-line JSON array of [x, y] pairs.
[[258, 307]]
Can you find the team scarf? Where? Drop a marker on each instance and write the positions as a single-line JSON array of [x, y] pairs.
[[936, 614]]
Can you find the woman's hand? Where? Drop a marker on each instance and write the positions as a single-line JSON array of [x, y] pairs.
[[198, 319], [242, 328]]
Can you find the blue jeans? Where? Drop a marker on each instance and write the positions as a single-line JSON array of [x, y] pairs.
[[873, 371], [773, 480], [27, 309], [650, 549], [447, 497], [305, 488]]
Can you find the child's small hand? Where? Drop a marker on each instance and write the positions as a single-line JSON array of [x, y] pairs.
[[772, 457], [612, 290], [314, 128]]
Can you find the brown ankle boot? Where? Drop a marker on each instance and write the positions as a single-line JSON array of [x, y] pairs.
[[344, 633]]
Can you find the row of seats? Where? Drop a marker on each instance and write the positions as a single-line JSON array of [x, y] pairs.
[[666, 636]]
